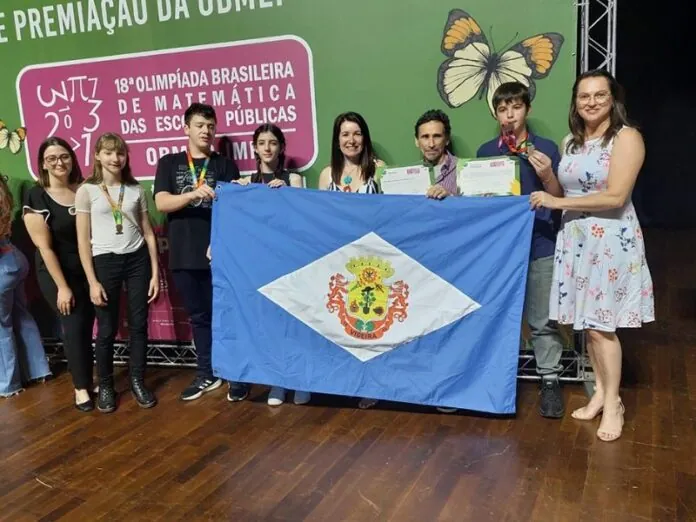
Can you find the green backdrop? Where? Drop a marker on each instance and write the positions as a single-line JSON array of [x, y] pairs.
[[379, 58]]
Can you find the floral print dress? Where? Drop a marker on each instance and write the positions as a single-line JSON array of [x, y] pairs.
[[601, 280]]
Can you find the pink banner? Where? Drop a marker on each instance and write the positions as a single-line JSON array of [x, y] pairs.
[[143, 97]]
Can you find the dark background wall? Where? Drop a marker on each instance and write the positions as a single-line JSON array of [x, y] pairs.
[[654, 59]]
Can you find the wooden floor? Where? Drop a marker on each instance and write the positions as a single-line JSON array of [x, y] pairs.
[[330, 462]]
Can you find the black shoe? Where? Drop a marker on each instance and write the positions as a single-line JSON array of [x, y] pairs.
[[106, 401], [144, 397], [551, 399], [199, 386], [86, 406], [238, 392]]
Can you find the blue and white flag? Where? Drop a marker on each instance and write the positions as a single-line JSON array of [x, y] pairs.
[[398, 298]]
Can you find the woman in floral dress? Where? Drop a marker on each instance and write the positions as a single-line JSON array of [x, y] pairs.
[[601, 280]]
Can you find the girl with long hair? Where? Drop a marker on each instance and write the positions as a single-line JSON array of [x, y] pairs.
[[601, 280], [269, 149], [268, 144], [117, 245], [22, 355], [49, 216]]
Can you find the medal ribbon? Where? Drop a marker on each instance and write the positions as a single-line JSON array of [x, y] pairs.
[[116, 209], [509, 139], [199, 179]]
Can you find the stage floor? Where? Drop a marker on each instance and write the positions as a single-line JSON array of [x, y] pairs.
[[329, 461]]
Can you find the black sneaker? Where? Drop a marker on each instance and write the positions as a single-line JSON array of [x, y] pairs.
[[199, 386], [551, 399], [144, 397], [106, 400], [238, 392]]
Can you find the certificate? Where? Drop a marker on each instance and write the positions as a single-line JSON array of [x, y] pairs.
[[405, 180], [499, 176]]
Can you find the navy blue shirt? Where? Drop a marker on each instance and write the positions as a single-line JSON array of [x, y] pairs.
[[546, 221]]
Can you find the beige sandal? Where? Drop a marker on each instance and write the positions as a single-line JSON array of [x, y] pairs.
[[576, 415], [608, 436]]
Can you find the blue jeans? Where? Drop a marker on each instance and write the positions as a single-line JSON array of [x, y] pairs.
[[22, 356]]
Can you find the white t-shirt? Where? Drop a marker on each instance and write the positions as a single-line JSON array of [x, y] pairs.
[[91, 199]]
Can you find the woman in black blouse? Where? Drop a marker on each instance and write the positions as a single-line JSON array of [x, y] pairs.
[[49, 216]]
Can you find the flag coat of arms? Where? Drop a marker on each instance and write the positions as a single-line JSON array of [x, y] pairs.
[[389, 297]]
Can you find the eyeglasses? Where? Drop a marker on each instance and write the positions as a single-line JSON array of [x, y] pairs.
[[600, 97], [52, 160]]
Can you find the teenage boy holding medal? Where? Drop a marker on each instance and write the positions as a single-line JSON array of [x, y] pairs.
[[538, 159], [184, 190]]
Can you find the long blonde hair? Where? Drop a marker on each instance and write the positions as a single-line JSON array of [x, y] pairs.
[[111, 141]]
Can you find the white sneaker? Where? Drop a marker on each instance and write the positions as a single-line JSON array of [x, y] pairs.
[[302, 397], [276, 396], [446, 410]]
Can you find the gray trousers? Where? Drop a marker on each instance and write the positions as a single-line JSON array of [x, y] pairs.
[[546, 340]]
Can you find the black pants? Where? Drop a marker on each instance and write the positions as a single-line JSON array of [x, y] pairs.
[[76, 327], [195, 287], [112, 271]]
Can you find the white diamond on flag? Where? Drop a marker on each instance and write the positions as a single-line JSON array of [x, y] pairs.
[[369, 297]]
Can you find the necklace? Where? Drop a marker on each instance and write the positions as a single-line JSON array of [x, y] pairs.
[[348, 179]]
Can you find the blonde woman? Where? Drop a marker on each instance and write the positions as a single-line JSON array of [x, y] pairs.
[[117, 246]]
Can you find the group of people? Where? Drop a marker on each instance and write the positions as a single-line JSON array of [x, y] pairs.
[[587, 266]]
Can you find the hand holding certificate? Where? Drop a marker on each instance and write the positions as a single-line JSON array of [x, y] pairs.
[[489, 177], [497, 176], [405, 180]]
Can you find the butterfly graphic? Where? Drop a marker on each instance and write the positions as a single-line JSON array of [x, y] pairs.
[[12, 139], [473, 68]]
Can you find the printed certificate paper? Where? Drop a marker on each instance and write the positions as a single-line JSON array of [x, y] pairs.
[[497, 176], [405, 180]]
